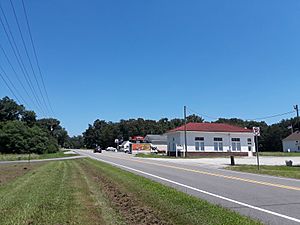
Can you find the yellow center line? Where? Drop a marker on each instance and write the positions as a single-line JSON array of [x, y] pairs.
[[213, 174]]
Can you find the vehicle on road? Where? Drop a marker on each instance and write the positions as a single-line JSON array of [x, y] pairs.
[[98, 149], [112, 149]]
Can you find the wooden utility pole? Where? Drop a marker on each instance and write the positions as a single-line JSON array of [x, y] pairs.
[[185, 141], [297, 111]]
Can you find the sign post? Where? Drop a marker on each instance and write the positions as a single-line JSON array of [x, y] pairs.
[[117, 143], [256, 131]]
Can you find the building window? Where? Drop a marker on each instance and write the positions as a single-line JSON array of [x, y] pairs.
[[199, 143], [249, 141], [218, 144], [236, 144]]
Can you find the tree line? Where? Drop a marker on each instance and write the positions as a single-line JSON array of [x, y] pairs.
[[104, 133], [22, 132]]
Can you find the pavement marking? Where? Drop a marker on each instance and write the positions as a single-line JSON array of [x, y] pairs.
[[199, 190], [214, 174]]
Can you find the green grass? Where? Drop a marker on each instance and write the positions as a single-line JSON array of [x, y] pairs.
[[279, 153], [15, 157], [173, 206], [281, 171], [86, 191], [53, 193]]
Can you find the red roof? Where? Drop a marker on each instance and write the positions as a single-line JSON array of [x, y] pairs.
[[212, 127]]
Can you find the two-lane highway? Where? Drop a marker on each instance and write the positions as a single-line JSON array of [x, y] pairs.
[[269, 199]]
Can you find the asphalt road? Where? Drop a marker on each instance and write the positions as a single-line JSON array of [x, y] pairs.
[[269, 199]]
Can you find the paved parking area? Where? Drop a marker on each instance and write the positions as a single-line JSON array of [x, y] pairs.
[[221, 162]]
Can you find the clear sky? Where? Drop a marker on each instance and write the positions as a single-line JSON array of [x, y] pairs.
[[119, 59]]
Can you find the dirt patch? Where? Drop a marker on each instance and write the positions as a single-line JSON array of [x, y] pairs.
[[132, 210], [12, 171]]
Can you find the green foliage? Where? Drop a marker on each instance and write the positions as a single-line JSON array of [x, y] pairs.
[[10, 110], [17, 137], [104, 133], [20, 132]]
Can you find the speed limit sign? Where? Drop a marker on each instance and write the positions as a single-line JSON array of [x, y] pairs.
[[256, 131]]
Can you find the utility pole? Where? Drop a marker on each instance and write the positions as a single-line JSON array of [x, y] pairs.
[[256, 132], [185, 141], [297, 111]]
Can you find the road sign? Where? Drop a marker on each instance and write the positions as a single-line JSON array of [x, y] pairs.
[[116, 141], [256, 131]]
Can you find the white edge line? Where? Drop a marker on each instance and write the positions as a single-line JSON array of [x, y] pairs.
[[199, 190]]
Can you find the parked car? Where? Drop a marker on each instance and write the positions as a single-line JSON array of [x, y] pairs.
[[98, 149], [112, 149]]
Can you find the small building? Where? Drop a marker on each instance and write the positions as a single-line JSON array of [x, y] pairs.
[[125, 146], [158, 142], [292, 142], [211, 139]]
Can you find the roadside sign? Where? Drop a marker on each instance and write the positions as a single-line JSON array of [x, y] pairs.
[[256, 131], [116, 141]]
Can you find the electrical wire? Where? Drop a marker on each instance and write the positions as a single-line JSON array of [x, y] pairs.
[[28, 57], [11, 85], [259, 118], [16, 74], [36, 57], [276, 115], [18, 57]]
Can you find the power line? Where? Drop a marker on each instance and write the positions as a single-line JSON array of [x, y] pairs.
[[259, 118], [272, 116], [203, 115], [27, 54], [35, 55], [12, 85], [16, 74], [18, 56], [7, 85]]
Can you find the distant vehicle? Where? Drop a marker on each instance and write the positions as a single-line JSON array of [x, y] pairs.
[[98, 149], [112, 149]]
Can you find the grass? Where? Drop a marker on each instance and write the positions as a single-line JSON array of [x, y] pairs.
[[86, 191], [281, 171], [15, 157], [279, 153]]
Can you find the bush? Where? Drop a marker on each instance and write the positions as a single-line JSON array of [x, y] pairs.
[[17, 137]]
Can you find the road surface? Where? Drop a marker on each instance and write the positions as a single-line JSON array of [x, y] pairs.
[[272, 200]]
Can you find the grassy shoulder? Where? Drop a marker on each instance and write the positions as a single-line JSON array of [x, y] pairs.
[[279, 154], [86, 191], [15, 157], [169, 205], [281, 171]]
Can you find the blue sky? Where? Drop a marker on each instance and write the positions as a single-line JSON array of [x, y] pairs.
[[120, 59]]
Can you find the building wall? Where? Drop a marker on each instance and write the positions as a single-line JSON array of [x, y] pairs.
[[178, 139], [293, 146], [161, 147]]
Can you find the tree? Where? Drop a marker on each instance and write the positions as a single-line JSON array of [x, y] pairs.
[[29, 117], [17, 137], [10, 110], [194, 119]]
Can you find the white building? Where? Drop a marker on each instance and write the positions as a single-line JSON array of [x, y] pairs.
[[292, 142], [157, 141], [211, 139]]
